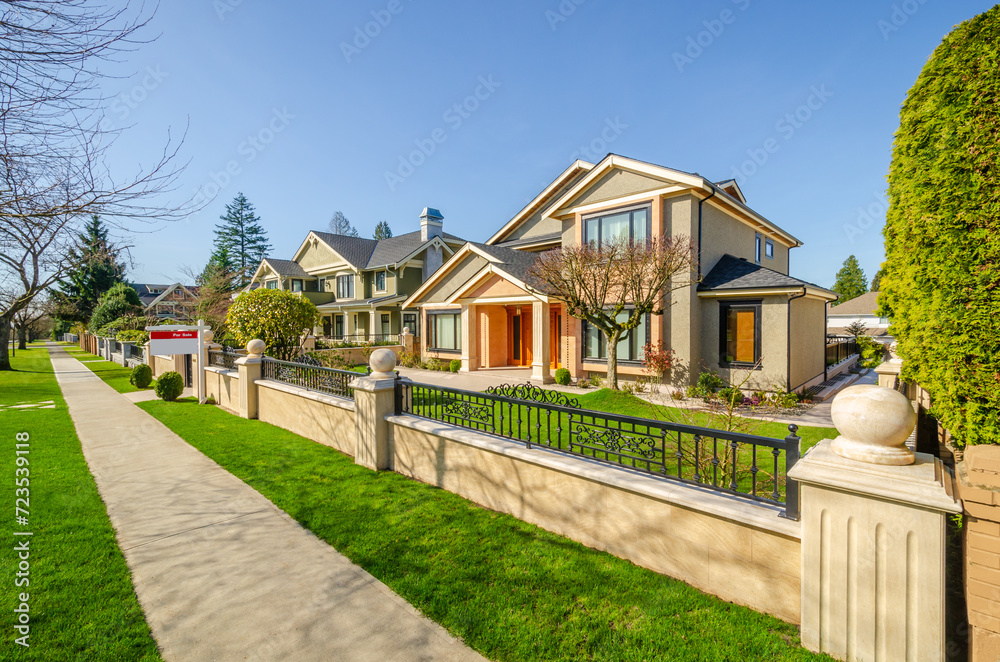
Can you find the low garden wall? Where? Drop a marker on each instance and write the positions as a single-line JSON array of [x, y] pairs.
[[739, 551], [224, 386], [162, 364], [356, 355], [325, 419]]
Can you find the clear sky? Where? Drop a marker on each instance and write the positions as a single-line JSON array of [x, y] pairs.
[[316, 107]]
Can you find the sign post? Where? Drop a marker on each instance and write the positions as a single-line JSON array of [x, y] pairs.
[[171, 339]]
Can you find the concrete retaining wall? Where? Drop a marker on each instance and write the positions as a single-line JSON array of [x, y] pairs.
[[224, 386], [323, 418]]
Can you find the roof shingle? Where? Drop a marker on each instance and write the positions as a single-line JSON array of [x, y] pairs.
[[733, 273]]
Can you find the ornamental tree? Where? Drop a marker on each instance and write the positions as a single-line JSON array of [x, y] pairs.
[[615, 285], [277, 317], [941, 285]]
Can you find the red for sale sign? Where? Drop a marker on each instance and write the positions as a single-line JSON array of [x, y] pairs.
[[168, 343]]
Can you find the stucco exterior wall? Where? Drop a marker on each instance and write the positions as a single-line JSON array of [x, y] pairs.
[[773, 345], [617, 184], [457, 278], [224, 386], [683, 330], [323, 419], [807, 341], [318, 255], [751, 556], [721, 234], [493, 336]]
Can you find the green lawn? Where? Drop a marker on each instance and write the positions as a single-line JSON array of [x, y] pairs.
[[82, 603], [509, 589], [114, 375]]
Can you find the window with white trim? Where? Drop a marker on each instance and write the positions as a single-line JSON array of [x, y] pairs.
[[345, 287], [444, 331], [380, 281]]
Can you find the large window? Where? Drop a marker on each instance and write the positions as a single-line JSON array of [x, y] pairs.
[[296, 285], [595, 343], [631, 224], [345, 287], [445, 331], [739, 333], [380, 281]]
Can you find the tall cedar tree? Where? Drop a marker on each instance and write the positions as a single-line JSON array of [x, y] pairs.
[[340, 225], [99, 269], [382, 231], [851, 281], [243, 237], [941, 287]]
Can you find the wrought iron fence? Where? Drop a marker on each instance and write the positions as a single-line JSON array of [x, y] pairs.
[[363, 338], [221, 358], [311, 377], [135, 352], [840, 349], [744, 465]]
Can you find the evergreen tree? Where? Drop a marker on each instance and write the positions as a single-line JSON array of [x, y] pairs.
[[340, 225], [243, 237], [851, 281], [99, 270], [877, 280], [382, 230]]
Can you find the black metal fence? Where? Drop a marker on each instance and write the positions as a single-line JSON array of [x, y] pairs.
[[839, 349], [369, 338], [223, 359], [310, 377], [744, 465], [135, 352]]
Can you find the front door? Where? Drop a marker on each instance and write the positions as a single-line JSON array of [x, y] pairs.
[[519, 332], [555, 338]]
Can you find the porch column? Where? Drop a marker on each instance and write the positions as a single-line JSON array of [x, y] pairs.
[[540, 354], [470, 338], [373, 326], [349, 328]]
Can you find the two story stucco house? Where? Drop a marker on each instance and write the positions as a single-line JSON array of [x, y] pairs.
[[173, 302], [745, 308], [358, 284]]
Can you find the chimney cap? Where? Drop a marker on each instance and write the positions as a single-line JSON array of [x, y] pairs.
[[431, 214]]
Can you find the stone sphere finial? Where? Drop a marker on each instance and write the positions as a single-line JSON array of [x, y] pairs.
[[256, 347], [406, 330], [874, 422], [208, 335], [382, 362]]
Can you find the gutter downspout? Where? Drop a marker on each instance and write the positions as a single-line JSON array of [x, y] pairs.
[[788, 353], [701, 202]]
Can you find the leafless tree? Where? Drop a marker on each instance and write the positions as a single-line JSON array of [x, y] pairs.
[[54, 151], [614, 286], [29, 322]]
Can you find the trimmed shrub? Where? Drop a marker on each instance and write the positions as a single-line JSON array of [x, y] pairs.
[[169, 386], [141, 377], [562, 377], [278, 317], [455, 365], [942, 234]]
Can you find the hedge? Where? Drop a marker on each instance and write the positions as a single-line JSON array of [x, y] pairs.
[[941, 285]]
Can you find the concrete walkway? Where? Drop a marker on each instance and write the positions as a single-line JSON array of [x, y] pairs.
[[221, 573]]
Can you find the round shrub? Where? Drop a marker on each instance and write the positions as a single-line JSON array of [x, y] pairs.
[[562, 377], [455, 365], [141, 377], [169, 386]]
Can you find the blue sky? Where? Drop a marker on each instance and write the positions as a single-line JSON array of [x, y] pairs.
[[798, 101]]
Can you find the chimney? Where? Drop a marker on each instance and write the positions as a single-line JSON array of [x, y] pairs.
[[430, 224]]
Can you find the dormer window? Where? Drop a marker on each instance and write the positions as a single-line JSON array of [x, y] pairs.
[[380, 281], [626, 224]]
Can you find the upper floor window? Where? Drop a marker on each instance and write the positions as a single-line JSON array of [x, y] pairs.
[[296, 285], [757, 246], [769, 249], [321, 285], [345, 287], [628, 224], [380, 281], [271, 284]]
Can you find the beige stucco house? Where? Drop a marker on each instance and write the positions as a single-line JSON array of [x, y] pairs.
[[359, 284], [481, 308], [174, 302]]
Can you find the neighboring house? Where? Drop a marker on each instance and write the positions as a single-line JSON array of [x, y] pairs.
[[175, 302], [858, 309], [358, 284], [481, 308]]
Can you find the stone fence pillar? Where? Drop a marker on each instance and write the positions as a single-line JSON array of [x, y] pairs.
[[406, 340], [250, 367], [374, 399], [874, 517]]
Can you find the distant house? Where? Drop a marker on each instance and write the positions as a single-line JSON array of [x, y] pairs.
[[858, 309], [175, 302], [358, 284]]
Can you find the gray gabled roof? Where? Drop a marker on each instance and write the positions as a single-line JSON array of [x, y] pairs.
[[513, 262], [527, 241], [394, 249], [287, 268], [866, 304], [733, 273], [355, 250]]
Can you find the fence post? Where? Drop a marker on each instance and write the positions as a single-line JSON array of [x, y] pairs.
[[792, 453], [250, 371], [374, 399], [873, 535]]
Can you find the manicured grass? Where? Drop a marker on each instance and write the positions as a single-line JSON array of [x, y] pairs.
[[82, 603], [509, 589], [115, 376]]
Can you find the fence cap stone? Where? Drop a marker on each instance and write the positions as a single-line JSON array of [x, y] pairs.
[[256, 347], [382, 362], [874, 423]]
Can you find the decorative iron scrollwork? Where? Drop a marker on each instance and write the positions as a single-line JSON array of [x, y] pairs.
[[615, 441], [469, 411], [532, 393]]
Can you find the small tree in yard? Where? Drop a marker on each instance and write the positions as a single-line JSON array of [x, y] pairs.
[[851, 281], [277, 317], [856, 328], [120, 301], [615, 285]]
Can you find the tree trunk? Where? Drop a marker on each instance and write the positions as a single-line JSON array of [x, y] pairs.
[[612, 351], [22, 338], [5, 342]]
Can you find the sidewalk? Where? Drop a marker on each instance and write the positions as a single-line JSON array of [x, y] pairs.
[[221, 573]]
